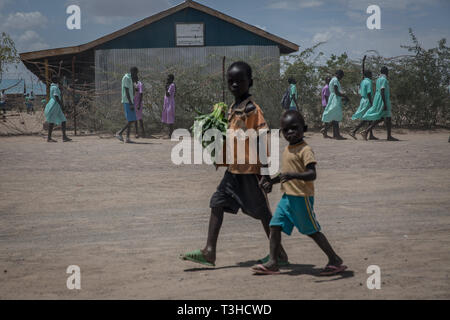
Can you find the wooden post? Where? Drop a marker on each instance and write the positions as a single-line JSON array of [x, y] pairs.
[[47, 82], [223, 79], [73, 97]]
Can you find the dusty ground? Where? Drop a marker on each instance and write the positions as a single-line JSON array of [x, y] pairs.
[[124, 212]]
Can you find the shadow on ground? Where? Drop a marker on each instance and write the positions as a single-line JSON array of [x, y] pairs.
[[292, 269]]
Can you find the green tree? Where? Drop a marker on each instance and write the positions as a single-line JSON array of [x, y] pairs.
[[8, 53]]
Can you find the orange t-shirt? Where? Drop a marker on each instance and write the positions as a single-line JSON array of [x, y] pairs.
[[245, 118]]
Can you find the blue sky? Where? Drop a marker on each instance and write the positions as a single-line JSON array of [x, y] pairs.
[[36, 25]]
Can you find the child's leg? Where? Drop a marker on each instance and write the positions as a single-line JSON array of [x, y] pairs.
[[275, 248], [282, 255], [324, 131], [50, 130], [136, 128], [215, 223], [371, 136], [336, 131], [371, 126], [123, 129], [388, 123], [142, 127], [322, 242], [129, 129], [63, 128], [359, 126]]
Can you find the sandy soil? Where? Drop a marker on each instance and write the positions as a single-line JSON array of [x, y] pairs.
[[124, 212]]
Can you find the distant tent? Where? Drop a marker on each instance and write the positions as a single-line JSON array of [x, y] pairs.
[[20, 86]]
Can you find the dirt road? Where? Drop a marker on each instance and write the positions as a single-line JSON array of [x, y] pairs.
[[123, 213]]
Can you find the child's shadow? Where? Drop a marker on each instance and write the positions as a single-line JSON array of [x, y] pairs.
[[138, 142], [245, 264], [292, 270], [299, 269]]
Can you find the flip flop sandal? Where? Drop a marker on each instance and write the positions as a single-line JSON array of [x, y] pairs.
[[267, 258], [330, 270], [196, 256], [260, 269]]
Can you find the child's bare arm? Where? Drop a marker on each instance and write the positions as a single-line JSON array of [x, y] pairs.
[[308, 175]]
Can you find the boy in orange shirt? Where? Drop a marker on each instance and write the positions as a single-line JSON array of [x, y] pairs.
[[240, 187]]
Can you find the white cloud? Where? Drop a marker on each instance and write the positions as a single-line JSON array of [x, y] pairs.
[[24, 20], [30, 40], [321, 37], [310, 4], [261, 27], [295, 4], [119, 8], [29, 35]]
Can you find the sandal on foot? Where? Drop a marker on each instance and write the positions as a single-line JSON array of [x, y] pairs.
[[364, 135], [198, 257], [51, 140], [261, 269], [353, 135], [281, 263], [330, 270]]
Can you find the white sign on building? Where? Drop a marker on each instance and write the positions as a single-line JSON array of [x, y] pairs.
[[190, 34]]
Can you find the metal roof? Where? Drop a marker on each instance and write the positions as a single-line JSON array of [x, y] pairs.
[[285, 45]]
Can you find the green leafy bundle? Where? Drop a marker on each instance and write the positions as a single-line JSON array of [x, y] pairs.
[[215, 120]]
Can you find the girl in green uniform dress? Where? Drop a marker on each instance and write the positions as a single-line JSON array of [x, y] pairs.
[[333, 110], [381, 107], [365, 90], [53, 111]]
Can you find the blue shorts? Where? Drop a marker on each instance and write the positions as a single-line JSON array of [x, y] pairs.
[[296, 211], [129, 114]]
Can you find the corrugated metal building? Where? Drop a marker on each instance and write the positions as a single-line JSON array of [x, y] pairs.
[[189, 33]]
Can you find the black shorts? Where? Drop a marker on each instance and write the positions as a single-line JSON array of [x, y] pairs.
[[241, 191]]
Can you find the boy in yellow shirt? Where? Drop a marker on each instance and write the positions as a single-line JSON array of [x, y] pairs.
[[296, 207]]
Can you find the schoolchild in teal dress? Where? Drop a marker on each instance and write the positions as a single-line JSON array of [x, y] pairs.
[[53, 111], [365, 90], [381, 107], [333, 111]]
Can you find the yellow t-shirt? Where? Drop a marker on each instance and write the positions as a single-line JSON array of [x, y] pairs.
[[295, 159]]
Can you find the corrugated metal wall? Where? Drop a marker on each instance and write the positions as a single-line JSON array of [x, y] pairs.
[[110, 65]]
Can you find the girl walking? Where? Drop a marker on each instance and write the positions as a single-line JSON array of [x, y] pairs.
[[381, 107], [365, 90], [333, 110], [138, 106], [168, 113], [53, 111]]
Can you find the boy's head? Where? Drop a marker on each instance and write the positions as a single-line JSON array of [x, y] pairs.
[[239, 78], [134, 73], [292, 81], [384, 70], [339, 74], [368, 74], [293, 126], [55, 79], [170, 78]]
